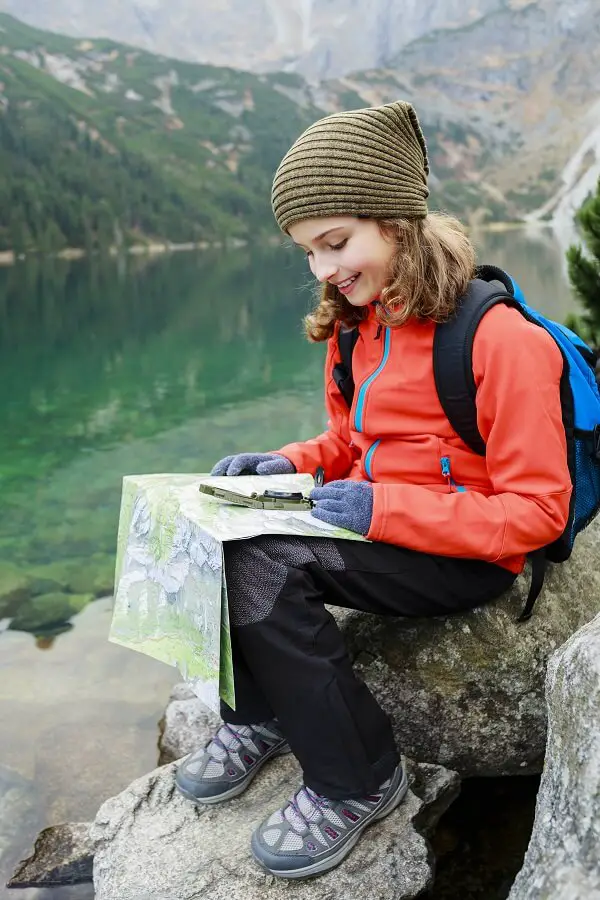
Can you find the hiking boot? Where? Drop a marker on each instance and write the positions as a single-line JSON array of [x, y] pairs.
[[227, 764], [311, 834]]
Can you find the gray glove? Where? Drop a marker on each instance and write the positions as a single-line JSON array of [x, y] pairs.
[[254, 464], [347, 504]]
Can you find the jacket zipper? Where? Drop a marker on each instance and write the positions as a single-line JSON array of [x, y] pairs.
[[446, 472], [360, 402]]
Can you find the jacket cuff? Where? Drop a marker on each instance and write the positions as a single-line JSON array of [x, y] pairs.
[[288, 456], [378, 516]]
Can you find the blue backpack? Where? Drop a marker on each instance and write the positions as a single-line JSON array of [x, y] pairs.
[[455, 384]]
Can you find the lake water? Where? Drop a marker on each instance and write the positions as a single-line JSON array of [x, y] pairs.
[[117, 367]]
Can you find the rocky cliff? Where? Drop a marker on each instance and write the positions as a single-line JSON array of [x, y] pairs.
[[316, 39], [528, 72]]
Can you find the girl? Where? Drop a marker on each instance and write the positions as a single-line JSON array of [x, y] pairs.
[[351, 192]]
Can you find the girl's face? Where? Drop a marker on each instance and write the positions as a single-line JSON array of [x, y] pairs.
[[348, 252]]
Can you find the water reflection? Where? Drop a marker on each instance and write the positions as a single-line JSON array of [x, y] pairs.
[[99, 357], [536, 261], [93, 354]]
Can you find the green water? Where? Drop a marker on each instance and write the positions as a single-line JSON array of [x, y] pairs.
[[112, 367]]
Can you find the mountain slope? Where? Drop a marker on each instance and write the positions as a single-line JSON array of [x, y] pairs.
[[521, 85], [531, 67], [102, 143]]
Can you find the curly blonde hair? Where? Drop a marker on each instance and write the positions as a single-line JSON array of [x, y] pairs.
[[431, 269]]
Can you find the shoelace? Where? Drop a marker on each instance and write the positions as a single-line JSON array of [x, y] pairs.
[[231, 740], [294, 814], [301, 821]]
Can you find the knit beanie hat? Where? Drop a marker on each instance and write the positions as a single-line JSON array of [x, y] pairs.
[[367, 162]]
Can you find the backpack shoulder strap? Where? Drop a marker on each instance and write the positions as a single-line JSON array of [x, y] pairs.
[[455, 384], [453, 354], [538, 561], [342, 373]]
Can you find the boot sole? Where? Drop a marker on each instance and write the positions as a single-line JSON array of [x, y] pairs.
[[238, 788]]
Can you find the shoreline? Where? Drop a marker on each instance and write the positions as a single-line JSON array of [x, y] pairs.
[[498, 227], [9, 258], [156, 248]]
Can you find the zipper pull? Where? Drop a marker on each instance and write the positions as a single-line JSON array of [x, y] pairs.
[[445, 462], [379, 328]]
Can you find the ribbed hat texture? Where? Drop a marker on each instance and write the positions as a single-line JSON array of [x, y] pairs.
[[366, 162]]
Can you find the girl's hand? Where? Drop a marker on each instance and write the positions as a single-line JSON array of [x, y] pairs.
[[347, 504], [254, 464]]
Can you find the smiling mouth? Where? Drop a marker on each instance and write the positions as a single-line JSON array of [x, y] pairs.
[[345, 286]]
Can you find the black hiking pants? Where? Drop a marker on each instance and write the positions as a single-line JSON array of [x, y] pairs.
[[289, 656]]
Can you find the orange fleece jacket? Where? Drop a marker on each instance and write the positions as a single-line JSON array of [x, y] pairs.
[[495, 508]]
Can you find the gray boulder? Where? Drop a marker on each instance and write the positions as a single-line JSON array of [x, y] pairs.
[[187, 723], [14, 588], [63, 854], [151, 843], [563, 858], [465, 692]]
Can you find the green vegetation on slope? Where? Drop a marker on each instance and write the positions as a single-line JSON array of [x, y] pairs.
[[102, 144]]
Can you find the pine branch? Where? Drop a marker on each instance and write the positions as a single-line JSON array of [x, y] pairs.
[[588, 219], [584, 268]]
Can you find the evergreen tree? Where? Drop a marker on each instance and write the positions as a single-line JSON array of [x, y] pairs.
[[75, 191], [584, 271]]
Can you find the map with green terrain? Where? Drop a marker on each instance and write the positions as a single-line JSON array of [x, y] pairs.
[[170, 589]]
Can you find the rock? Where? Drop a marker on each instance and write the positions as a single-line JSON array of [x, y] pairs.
[[436, 787], [46, 610], [467, 691], [186, 725], [62, 855], [14, 588], [182, 691], [151, 843], [562, 861], [46, 639], [94, 575]]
